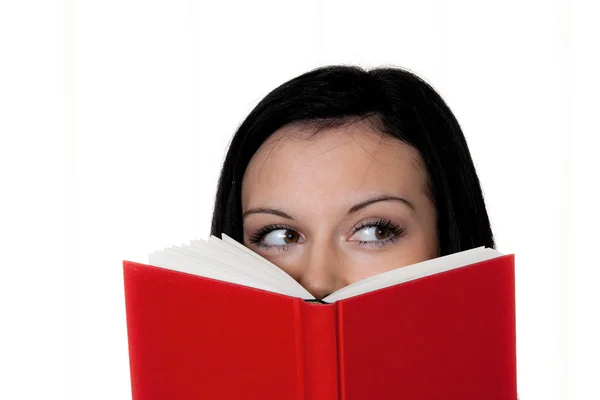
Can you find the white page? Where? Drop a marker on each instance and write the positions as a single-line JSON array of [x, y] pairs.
[[233, 263], [227, 260], [228, 263], [177, 261], [412, 272], [273, 270]]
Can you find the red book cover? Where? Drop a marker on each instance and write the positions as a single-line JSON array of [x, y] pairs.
[[449, 335]]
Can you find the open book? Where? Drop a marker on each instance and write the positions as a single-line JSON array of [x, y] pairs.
[[213, 319], [229, 261]]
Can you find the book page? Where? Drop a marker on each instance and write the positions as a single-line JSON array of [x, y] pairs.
[[412, 272], [229, 261]]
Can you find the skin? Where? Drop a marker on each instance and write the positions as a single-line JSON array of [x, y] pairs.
[[322, 196]]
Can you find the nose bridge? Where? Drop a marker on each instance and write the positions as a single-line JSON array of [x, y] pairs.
[[321, 275]]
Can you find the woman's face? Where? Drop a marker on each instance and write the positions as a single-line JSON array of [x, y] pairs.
[[337, 207]]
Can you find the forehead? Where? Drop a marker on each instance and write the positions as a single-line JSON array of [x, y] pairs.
[[339, 165]]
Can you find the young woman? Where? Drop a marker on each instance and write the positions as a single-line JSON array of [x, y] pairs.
[[343, 173]]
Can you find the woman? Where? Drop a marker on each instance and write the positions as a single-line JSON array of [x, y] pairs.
[[343, 173]]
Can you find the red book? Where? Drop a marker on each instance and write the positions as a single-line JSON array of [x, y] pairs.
[[441, 329]]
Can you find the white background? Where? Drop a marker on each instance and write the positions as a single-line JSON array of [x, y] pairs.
[[115, 116]]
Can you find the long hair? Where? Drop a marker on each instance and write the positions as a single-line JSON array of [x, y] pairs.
[[406, 108]]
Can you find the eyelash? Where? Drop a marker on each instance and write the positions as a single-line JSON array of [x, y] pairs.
[[264, 231], [395, 230]]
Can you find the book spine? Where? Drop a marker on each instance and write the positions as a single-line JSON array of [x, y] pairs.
[[317, 348]]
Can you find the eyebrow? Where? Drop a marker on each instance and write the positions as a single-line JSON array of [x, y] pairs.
[[378, 199], [267, 211], [352, 209]]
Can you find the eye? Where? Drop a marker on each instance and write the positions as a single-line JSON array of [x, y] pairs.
[[376, 233], [275, 236], [372, 233], [281, 237]]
